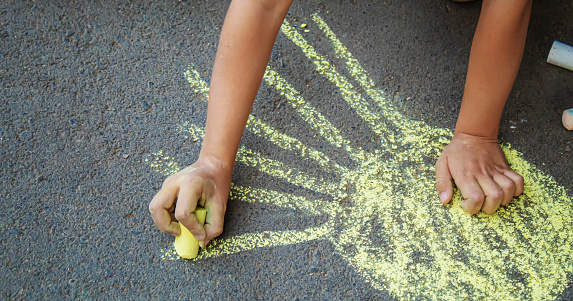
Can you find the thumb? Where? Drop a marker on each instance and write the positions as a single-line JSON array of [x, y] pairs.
[[444, 180]]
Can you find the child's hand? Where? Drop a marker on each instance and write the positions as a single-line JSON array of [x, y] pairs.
[[206, 183], [479, 168]]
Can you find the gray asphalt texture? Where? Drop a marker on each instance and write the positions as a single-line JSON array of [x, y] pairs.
[[86, 84]]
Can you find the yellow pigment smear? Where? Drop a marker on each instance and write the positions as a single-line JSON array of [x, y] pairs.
[[414, 132], [385, 218], [263, 239], [274, 168], [310, 115], [164, 165], [281, 199], [267, 132]]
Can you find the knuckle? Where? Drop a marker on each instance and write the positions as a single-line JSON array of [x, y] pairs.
[[507, 185], [181, 214], [496, 194], [473, 209], [193, 228], [169, 180], [476, 198], [519, 180], [188, 178], [153, 208]]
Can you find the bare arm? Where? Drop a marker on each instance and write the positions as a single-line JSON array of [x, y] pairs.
[[495, 57], [247, 38], [474, 159], [246, 42]]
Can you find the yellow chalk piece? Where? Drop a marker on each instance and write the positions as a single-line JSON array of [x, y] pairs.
[[303, 25], [186, 245]]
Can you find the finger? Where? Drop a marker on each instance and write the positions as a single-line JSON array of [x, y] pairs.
[[214, 220], [171, 211], [493, 194], [444, 181], [189, 193], [507, 185], [208, 192], [472, 193], [517, 179], [159, 209]]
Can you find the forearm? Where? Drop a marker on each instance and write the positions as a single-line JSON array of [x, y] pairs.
[[495, 57], [247, 38]]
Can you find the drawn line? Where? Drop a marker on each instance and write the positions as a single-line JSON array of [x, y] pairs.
[[250, 241], [353, 98], [281, 199], [310, 115], [273, 167], [411, 132], [265, 131]]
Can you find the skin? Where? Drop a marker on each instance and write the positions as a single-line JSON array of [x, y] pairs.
[[247, 38], [473, 158]]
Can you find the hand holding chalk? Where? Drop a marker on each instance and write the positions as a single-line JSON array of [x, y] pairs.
[[568, 119], [183, 195], [186, 245]]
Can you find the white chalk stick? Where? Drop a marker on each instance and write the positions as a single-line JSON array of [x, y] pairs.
[[561, 55], [568, 119]]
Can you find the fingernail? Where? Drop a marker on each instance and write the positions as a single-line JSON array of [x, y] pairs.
[[199, 237], [443, 197]]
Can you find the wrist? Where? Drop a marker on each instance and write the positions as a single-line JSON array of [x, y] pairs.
[[481, 127], [215, 162], [463, 135]]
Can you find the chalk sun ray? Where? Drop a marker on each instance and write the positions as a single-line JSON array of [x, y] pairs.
[[391, 228], [272, 167], [349, 93], [267, 132], [282, 199], [265, 239], [407, 127], [166, 166], [310, 115], [411, 132]]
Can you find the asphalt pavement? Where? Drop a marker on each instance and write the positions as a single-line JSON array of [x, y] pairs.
[[102, 99]]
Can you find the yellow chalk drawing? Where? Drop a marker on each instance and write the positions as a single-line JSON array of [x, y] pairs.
[[384, 217]]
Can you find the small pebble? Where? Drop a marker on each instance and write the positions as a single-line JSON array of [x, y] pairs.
[[125, 156], [567, 148], [145, 104]]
